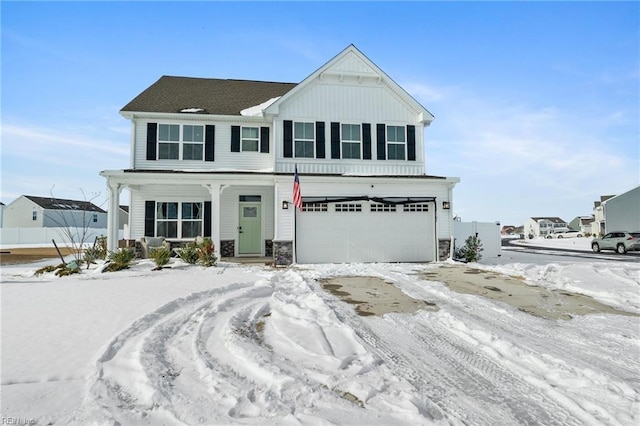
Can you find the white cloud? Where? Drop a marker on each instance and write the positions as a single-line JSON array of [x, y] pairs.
[[551, 160], [34, 159]]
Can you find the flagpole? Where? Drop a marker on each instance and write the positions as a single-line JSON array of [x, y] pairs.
[[295, 224]]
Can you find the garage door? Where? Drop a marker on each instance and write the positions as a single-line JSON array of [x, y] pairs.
[[365, 231]]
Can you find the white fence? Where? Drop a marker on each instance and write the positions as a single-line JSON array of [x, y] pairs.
[[41, 237], [487, 232]]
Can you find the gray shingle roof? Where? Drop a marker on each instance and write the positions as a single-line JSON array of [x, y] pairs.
[[214, 96], [62, 204], [551, 219]]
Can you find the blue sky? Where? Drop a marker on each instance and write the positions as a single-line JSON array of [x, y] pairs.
[[537, 104]]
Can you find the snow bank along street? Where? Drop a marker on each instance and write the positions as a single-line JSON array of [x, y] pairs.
[[240, 344]]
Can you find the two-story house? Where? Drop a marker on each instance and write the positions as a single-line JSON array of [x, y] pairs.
[[216, 157], [543, 226], [29, 211]]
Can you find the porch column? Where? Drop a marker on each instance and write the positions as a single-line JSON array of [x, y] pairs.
[[215, 189], [112, 214]]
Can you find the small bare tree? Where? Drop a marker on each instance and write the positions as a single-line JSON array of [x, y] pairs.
[[73, 222]]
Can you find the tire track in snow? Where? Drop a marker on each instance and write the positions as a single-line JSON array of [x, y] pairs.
[[487, 391]]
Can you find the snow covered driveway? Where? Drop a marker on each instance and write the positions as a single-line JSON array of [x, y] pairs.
[[250, 345]]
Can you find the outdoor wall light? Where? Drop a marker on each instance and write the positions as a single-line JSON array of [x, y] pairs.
[[446, 205], [285, 205]]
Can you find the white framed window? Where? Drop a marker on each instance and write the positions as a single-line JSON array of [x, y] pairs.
[[351, 141], [171, 146], [250, 139], [192, 216], [303, 139], [179, 219], [34, 215], [192, 142], [94, 217], [168, 141], [396, 143]]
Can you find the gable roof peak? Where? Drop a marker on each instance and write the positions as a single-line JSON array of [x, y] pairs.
[[352, 62]]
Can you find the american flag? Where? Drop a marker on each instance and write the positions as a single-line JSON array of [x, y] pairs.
[[297, 197]]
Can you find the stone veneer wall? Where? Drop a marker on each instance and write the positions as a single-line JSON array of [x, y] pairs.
[[268, 248], [444, 249], [227, 248], [283, 253]]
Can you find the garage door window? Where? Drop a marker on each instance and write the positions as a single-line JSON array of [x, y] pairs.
[[416, 207], [349, 207], [314, 207], [379, 207]]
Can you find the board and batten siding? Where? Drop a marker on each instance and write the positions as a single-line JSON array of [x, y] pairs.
[[350, 102], [224, 158]]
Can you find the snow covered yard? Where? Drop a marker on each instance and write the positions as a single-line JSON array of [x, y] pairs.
[[251, 345]]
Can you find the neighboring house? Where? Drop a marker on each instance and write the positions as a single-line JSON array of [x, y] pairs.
[[622, 212], [508, 230], [216, 158], [598, 224], [1, 213], [542, 226], [582, 224], [28, 211]]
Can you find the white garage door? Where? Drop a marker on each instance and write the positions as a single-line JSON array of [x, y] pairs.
[[365, 231]]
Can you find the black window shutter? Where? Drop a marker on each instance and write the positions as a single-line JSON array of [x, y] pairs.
[[320, 139], [149, 218], [411, 143], [209, 142], [264, 139], [207, 219], [287, 138], [152, 140], [335, 140], [382, 142], [235, 138], [366, 141]]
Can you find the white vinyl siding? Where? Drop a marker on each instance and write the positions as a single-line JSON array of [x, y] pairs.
[[224, 159]]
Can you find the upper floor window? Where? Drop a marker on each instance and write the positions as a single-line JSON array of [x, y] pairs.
[[351, 141], [94, 217], [193, 142], [396, 143], [250, 139], [172, 147], [303, 136], [34, 215]]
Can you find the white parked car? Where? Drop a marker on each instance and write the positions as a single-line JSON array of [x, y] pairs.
[[570, 234], [564, 234]]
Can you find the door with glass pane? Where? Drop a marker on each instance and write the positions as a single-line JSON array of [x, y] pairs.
[[250, 228]]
